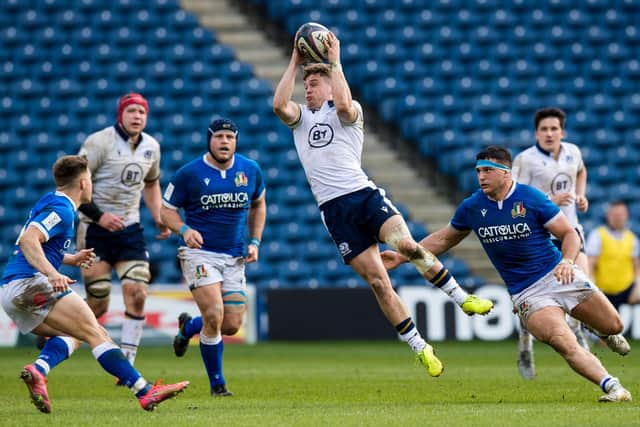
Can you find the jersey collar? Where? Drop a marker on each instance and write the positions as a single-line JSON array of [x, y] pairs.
[[124, 135], [543, 151], [549, 153], [509, 193], [211, 165], [60, 193]]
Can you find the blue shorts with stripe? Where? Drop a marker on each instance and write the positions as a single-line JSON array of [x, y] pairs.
[[354, 220], [112, 247]]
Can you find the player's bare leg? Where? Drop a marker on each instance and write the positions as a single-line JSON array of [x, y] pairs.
[[396, 234], [548, 325], [600, 316], [368, 265], [526, 363], [73, 317]]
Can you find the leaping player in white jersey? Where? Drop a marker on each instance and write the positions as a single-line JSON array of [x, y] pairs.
[[124, 162], [554, 167], [328, 135]]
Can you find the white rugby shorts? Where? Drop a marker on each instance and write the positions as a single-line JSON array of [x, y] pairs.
[[202, 268], [549, 292], [28, 301]]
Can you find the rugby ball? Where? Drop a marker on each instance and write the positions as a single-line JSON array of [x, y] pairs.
[[310, 39]]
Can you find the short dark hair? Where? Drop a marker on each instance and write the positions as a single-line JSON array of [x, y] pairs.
[[316, 68], [543, 113], [495, 152], [68, 168], [617, 202]]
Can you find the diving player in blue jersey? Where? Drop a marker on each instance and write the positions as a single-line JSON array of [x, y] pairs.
[[38, 299], [220, 193], [513, 222], [328, 132]]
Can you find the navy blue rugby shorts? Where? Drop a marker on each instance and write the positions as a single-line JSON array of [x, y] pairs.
[[112, 247], [354, 220]]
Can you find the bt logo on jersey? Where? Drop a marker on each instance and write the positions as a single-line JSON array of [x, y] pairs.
[[320, 135], [131, 174]]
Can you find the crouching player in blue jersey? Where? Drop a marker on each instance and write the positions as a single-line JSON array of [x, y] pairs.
[[38, 298], [220, 193], [513, 222]]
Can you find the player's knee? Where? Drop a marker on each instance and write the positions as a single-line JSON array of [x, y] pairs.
[[98, 287], [212, 317], [134, 272], [230, 328], [399, 239], [614, 326], [135, 294]]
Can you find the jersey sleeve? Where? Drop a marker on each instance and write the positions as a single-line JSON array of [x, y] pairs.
[[359, 121], [177, 192], [460, 219], [578, 155], [545, 209], [53, 221], [154, 170], [95, 150]]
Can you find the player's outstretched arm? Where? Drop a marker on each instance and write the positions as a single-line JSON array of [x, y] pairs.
[[436, 243], [444, 239], [83, 258], [340, 90], [287, 110]]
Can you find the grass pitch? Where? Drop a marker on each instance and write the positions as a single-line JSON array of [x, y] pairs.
[[331, 384]]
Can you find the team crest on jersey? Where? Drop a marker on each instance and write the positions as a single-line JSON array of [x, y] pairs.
[[518, 210], [148, 154], [201, 271], [241, 179], [320, 135]]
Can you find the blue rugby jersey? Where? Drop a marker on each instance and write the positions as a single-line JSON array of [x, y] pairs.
[[54, 215], [512, 233], [216, 202]]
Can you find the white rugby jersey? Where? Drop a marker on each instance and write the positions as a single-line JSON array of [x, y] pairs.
[[537, 168], [120, 172], [330, 151]]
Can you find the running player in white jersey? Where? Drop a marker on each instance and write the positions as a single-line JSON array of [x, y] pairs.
[[125, 162], [328, 134], [556, 168], [513, 222], [39, 300], [221, 193]]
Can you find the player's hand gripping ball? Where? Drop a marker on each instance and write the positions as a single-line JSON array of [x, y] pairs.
[[310, 39]]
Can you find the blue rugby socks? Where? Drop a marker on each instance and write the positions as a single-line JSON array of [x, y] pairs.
[[55, 350], [211, 351]]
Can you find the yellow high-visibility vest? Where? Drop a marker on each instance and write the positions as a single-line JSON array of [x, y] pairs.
[[614, 269]]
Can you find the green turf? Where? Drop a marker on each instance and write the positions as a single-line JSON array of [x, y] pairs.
[[331, 384]]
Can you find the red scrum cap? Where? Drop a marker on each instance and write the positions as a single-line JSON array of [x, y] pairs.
[[128, 99]]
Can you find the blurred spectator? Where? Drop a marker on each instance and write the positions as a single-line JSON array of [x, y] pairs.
[[614, 257]]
